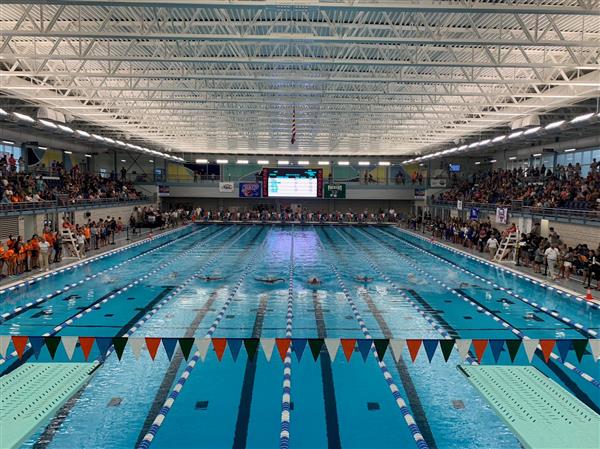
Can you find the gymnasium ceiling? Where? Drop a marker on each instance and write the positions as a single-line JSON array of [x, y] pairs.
[[363, 77]]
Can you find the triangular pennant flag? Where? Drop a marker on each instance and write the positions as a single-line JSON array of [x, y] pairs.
[[86, 344], [480, 347], [364, 347], [283, 344], [530, 346], [119, 344], [496, 346], [446, 346], [36, 344], [430, 348], [219, 345], [186, 343], [513, 346], [103, 344], [547, 347], [563, 346], [348, 345], [4, 342], [69, 344], [298, 346], [315, 345], [413, 348], [235, 344], [52, 345], [397, 346], [381, 345], [463, 346], [202, 344], [152, 343], [595, 347], [169, 344], [251, 345], [332, 345], [267, 344], [580, 346], [136, 345], [19, 342]]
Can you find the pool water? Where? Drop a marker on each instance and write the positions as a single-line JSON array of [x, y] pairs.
[[418, 290]]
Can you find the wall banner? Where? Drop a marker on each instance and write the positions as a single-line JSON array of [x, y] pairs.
[[250, 189], [226, 187]]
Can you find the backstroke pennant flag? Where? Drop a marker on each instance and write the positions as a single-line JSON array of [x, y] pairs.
[[595, 347], [348, 345], [332, 345], [186, 343], [219, 345], [119, 344], [315, 345], [152, 344], [480, 347], [251, 345], [547, 347], [86, 344], [202, 343], [430, 348], [4, 342], [496, 346], [298, 346], [381, 345], [580, 346], [52, 343], [413, 348], [267, 344], [446, 346], [235, 344], [397, 346], [103, 343], [69, 344], [36, 344], [169, 345], [563, 347], [283, 344], [513, 345], [364, 347], [530, 347], [136, 344], [463, 346], [19, 342]]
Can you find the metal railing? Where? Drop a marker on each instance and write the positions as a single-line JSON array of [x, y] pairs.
[[33, 206]]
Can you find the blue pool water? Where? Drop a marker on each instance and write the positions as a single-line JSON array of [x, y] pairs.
[[419, 290]]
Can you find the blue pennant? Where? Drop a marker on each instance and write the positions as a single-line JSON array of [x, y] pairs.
[[36, 344], [430, 348], [235, 344], [497, 346], [298, 346], [103, 344], [364, 347], [563, 347], [169, 345]]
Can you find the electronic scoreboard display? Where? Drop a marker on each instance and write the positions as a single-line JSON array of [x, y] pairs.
[[292, 182]]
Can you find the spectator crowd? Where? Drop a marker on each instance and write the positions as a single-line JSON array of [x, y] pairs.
[[564, 187]]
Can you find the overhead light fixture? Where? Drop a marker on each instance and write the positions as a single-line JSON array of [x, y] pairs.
[[118, 142], [532, 130], [554, 124], [537, 154], [283, 162], [88, 155], [83, 133], [123, 160], [23, 117], [3, 112], [65, 129], [97, 137], [201, 161], [512, 158], [48, 124], [515, 134], [343, 163], [109, 140], [383, 163], [477, 162], [462, 147], [570, 150], [222, 161], [323, 162], [8, 142], [68, 152], [363, 163], [262, 162], [303, 162], [493, 161], [151, 161], [582, 118], [242, 161], [42, 148], [498, 139], [485, 142], [130, 145], [474, 144]]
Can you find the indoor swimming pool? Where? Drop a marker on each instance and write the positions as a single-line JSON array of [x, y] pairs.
[[251, 281]]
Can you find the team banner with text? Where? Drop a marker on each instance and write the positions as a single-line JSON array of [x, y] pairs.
[[335, 191], [470, 350], [250, 190]]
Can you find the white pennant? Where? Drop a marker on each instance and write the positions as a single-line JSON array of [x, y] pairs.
[[136, 345], [463, 347], [397, 346], [4, 342], [530, 346], [202, 344], [69, 344], [332, 345], [595, 347], [267, 344]]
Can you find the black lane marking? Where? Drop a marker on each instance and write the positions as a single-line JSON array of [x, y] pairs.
[[52, 428], [331, 413], [240, 437], [407, 382], [171, 374]]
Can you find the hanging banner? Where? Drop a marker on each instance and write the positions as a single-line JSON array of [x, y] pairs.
[[164, 190], [250, 189], [474, 213], [419, 194], [226, 187], [501, 215], [437, 183], [459, 205], [454, 213], [335, 191]]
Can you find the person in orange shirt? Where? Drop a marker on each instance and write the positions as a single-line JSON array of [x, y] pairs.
[[87, 233], [22, 251], [1, 258], [50, 239], [10, 258], [34, 252], [10, 242]]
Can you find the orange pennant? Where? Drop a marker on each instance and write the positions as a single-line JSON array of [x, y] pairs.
[[219, 345], [348, 347], [480, 346], [86, 344], [413, 348], [152, 343], [547, 347], [19, 342], [283, 344]]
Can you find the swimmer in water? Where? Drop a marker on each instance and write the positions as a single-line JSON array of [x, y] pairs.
[[211, 278], [270, 280], [173, 275], [314, 280], [364, 279], [412, 278]]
